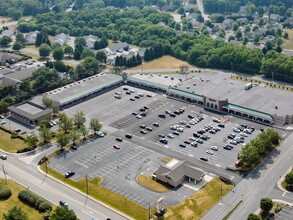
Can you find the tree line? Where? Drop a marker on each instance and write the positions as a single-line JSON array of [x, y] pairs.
[[252, 153]]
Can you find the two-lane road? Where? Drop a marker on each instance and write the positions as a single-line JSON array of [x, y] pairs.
[[54, 191]]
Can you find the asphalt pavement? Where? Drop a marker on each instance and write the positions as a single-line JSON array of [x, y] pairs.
[[258, 184]]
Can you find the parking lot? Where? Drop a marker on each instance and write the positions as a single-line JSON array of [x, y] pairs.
[[285, 214], [118, 168]]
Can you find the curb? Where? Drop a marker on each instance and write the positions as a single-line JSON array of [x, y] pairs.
[[281, 179], [83, 194]]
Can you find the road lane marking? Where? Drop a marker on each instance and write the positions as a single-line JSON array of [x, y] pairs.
[[190, 155], [81, 164], [284, 194]]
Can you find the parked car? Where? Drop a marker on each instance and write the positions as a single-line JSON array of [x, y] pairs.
[[129, 136], [17, 130], [192, 138], [199, 141], [138, 116], [182, 145], [170, 136], [149, 128], [227, 147], [2, 117], [142, 126], [172, 115], [162, 115], [221, 125], [119, 139], [143, 131], [204, 158], [156, 124], [100, 134], [210, 152], [186, 142], [162, 135], [69, 174], [164, 141], [215, 148], [132, 99], [193, 144], [175, 132], [2, 122], [116, 146]]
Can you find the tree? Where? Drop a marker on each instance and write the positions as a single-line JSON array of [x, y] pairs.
[[279, 41], [46, 134], [83, 131], [245, 40], [65, 123], [235, 27], [79, 119], [74, 137], [101, 56], [20, 38], [45, 50], [256, 38], [95, 124], [16, 46], [63, 213], [87, 53], [238, 34], [177, 26], [58, 53], [289, 179], [15, 213], [252, 216], [47, 102], [68, 50], [269, 45], [31, 140], [286, 35], [63, 139], [266, 204], [5, 40]]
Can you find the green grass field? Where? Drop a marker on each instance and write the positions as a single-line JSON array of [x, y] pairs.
[[197, 205], [288, 44], [9, 144], [5, 205]]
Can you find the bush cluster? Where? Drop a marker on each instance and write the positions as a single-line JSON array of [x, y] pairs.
[[34, 200], [5, 192]]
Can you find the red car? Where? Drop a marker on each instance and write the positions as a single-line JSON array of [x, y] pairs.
[[187, 142], [116, 147]]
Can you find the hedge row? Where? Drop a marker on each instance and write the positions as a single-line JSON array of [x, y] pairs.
[[5, 192], [34, 200]]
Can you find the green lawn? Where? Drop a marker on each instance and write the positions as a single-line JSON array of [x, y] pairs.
[[288, 44], [5, 205], [9, 144], [197, 205], [97, 191]]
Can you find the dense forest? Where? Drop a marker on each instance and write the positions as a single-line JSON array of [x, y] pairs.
[[222, 6], [18, 8]]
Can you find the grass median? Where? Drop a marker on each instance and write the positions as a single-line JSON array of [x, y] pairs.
[[97, 191]]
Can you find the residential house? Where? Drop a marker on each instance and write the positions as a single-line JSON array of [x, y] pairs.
[[195, 24], [175, 172], [61, 38], [269, 38], [90, 40], [8, 33], [255, 15], [260, 31], [31, 37], [289, 20], [215, 29], [236, 42], [226, 24], [5, 57], [119, 47], [243, 11], [274, 17]]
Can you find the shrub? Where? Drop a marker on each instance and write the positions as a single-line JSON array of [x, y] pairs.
[[5, 193], [45, 206], [39, 202], [34, 200]]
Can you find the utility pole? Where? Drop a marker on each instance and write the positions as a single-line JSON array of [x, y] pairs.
[[87, 185], [4, 173], [149, 211]]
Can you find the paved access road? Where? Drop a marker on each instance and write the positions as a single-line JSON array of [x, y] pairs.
[[27, 175], [258, 184]]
